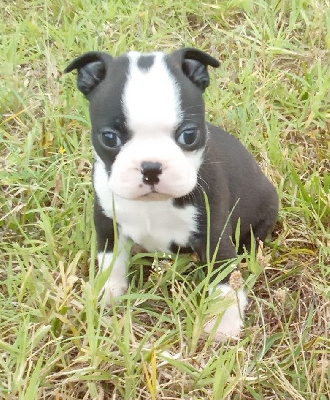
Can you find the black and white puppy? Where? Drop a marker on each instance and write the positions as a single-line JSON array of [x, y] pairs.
[[155, 156]]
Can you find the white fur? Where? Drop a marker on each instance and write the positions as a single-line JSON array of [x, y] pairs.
[[151, 98], [155, 224], [231, 317]]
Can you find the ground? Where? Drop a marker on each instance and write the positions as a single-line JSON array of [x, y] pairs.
[[272, 92]]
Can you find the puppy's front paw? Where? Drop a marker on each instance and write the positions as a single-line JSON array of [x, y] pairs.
[[113, 288], [117, 283], [231, 318]]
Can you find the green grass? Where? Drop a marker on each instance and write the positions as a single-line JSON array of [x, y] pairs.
[[272, 91]]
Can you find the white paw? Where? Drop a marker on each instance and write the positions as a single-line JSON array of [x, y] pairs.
[[229, 321], [117, 283], [113, 288]]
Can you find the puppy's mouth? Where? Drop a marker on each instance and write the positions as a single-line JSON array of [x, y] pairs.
[[146, 193], [154, 196]]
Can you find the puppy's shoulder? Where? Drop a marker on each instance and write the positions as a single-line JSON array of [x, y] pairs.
[[225, 145]]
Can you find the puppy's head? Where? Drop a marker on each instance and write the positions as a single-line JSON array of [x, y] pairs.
[[147, 114]]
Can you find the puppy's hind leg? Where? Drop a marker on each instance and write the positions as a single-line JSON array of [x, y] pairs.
[[230, 317], [260, 231], [229, 303]]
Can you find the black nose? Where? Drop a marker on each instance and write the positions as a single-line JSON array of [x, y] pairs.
[[150, 171]]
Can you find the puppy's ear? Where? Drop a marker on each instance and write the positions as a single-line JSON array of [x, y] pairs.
[[194, 65], [91, 68]]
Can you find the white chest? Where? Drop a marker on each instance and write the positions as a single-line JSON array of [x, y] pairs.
[[155, 224]]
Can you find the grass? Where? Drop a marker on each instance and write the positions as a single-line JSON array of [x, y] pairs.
[[272, 91]]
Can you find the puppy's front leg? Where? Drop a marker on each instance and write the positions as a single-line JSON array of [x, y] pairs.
[[117, 283]]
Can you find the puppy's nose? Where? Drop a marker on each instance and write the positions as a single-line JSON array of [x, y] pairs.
[[151, 171]]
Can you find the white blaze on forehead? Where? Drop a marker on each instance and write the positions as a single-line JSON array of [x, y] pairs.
[[151, 97]]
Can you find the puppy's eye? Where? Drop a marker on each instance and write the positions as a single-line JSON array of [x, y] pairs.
[[188, 136], [110, 139]]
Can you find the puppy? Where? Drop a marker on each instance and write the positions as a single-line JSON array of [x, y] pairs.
[[156, 157]]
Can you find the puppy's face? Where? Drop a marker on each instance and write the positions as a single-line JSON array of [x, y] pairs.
[[148, 126]]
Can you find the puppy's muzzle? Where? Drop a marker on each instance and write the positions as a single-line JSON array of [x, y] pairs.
[[151, 171]]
